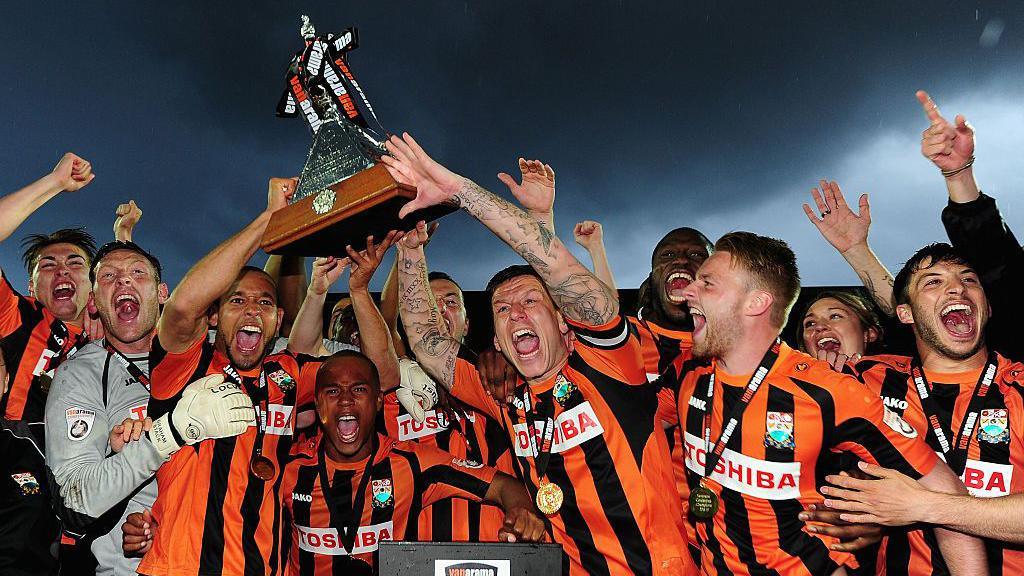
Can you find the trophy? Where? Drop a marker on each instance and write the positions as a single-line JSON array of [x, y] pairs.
[[344, 194]]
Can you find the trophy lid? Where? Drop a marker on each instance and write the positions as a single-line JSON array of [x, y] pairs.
[[307, 31]]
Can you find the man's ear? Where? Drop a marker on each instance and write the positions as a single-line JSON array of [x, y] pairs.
[[870, 335], [212, 317], [496, 345], [905, 314], [563, 327], [31, 288], [280, 318], [162, 293], [759, 302], [90, 305]]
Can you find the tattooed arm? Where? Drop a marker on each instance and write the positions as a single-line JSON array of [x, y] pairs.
[[579, 294], [848, 233], [427, 334]]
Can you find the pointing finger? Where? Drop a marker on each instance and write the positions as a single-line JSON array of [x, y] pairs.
[[930, 109]]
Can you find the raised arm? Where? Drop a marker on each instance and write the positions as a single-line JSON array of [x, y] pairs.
[[374, 337], [183, 319], [389, 299], [536, 191], [126, 217], [307, 335], [70, 175], [847, 232], [429, 340], [951, 148], [289, 273], [590, 236], [579, 294]]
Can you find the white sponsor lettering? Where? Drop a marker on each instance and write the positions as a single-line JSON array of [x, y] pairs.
[[572, 428], [316, 57], [278, 419], [43, 363], [327, 541], [758, 478], [698, 403], [302, 497], [433, 422], [986, 480], [895, 403]]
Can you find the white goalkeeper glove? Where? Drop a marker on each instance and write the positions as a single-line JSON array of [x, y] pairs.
[[416, 392], [209, 408]]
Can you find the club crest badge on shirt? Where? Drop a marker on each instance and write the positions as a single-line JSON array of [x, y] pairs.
[[383, 494], [79, 422], [779, 431], [562, 390], [283, 380], [27, 482], [994, 427]]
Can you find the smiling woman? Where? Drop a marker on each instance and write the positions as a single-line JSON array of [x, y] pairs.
[[842, 322]]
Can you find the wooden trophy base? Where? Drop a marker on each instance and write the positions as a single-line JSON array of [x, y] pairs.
[[364, 204]]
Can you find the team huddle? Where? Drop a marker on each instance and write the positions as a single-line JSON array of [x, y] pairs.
[[223, 427]]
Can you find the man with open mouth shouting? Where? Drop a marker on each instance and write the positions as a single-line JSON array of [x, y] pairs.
[[964, 398], [217, 510], [44, 328], [583, 426], [351, 487]]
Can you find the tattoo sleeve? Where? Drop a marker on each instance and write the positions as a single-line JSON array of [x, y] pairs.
[[580, 295], [428, 336]]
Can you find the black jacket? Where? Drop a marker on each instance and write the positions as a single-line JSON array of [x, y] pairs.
[[29, 528]]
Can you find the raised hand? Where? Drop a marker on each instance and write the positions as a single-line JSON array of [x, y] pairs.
[[948, 146], [366, 262], [72, 173], [410, 165], [326, 272], [588, 234], [280, 192], [418, 237], [127, 216], [536, 192], [889, 498], [838, 224]]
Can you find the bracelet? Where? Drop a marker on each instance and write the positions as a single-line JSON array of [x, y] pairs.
[[955, 171]]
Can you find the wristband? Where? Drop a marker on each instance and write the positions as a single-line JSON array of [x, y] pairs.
[[955, 171]]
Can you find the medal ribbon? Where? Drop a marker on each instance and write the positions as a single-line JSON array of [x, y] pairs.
[[351, 513], [133, 370], [260, 396], [545, 411], [712, 456], [955, 453]]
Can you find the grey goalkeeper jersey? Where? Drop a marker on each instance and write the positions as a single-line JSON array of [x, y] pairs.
[[90, 394]]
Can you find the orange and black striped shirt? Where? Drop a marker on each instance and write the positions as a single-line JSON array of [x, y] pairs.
[[213, 516], [35, 342], [771, 467], [405, 477], [608, 455], [995, 454], [471, 436]]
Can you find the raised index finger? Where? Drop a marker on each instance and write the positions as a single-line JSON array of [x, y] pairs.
[[930, 109]]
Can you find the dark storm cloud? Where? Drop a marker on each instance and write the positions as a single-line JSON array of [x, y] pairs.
[[720, 114]]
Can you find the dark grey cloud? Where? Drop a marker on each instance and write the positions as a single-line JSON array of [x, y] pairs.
[[718, 114]]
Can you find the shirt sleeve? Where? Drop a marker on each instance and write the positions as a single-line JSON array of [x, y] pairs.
[[90, 482], [865, 427], [470, 389], [169, 374], [305, 393], [613, 348], [445, 476], [11, 308]]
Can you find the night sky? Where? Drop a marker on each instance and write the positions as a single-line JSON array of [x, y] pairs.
[[718, 115]]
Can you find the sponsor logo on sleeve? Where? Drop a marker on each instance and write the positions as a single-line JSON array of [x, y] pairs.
[[472, 567], [327, 541], [79, 422], [735, 471], [572, 428]]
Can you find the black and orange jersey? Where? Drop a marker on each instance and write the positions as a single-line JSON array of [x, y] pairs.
[[405, 477], [35, 342], [473, 437], [213, 516], [771, 467], [995, 454], [608, 455]]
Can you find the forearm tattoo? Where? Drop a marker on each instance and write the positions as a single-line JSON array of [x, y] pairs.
[[576, 291], [884, 301], [428, 336]]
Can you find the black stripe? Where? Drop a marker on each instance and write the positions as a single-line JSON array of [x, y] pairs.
[[250, 511], [211, 555], [341, 486], [304, 483], [737, 528], [283, 456], [445, 474], [381, 514], [576, 527], [799, 544], [939, 567], [416, 503]]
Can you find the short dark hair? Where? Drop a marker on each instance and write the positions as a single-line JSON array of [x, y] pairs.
[[683, 231], [771, 263], [923, 259], [860, 304], [507, 274], [437, 275], [123, 245], [34, 244], [341, 354]]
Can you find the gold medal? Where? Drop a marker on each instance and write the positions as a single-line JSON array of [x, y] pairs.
[[703, 503], [549, 498], [263, 468]]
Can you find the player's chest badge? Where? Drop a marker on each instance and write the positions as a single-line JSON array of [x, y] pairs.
[[994, 426], [383, 494], [779, 430], [563, 390], [283, 380], [27, 482]]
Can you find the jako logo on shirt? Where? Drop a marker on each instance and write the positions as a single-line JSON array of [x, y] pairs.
[[758, 478], [433, 422], [302, 497], [572, 428], [327, 541], [279, 419]]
